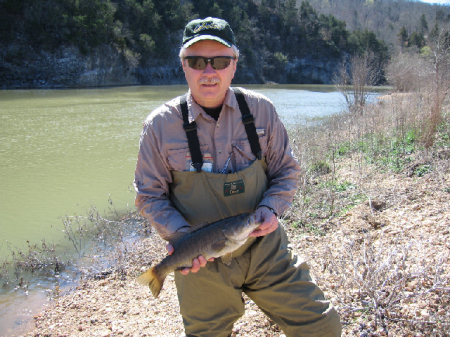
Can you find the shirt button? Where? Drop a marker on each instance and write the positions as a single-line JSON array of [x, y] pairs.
[[220, 151], [218, 125]]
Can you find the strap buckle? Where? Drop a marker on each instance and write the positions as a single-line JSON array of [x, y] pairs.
[[190, 126], [197, 166]]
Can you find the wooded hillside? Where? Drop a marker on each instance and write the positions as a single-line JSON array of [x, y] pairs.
[[394, 22], [275, 36]]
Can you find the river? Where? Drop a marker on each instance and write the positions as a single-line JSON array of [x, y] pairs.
[[62, 151]]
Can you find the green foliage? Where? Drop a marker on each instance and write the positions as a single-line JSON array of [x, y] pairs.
[[389, 153], [337, 187], [334, 31], [423, 24], [416, 39], [309, 228], [343, 149], [421, 170], [435, 31], [395, 154], [320, 168], [270, 34], [403, 36], [366, 41], [425, 52], [344, 186]]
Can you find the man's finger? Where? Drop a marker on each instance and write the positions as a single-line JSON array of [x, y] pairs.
[[261, 231], [195, 265], [202, 261]]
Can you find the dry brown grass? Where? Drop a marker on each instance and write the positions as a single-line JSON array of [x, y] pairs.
[[372, 215]]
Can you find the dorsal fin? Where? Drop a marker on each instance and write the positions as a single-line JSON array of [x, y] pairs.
[[199, 225], [175, 237]]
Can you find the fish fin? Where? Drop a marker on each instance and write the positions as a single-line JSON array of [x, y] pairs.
[[199, 225], [219, 245], [153, 279], [227, 258], [175, 237]]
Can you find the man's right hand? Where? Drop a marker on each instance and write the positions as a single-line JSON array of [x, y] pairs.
[[198, 262]]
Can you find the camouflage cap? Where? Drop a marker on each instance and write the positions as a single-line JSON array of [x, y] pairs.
[[208, 29]]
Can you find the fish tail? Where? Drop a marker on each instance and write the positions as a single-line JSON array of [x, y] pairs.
[[153, 279]]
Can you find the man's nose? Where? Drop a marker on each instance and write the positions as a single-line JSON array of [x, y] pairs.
[[209, 69]]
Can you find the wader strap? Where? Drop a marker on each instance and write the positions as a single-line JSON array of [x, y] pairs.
[[249, 123], [191, 130], [191, 134]]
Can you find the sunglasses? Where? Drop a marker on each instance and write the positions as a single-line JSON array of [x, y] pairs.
[[217, 63]]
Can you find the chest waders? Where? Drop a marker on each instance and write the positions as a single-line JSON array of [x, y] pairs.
[[204, 197], [211, 299]]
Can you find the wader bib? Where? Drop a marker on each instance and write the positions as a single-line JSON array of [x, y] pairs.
[[211, 299], [205, 197]]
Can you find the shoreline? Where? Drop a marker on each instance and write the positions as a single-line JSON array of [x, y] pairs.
[[414, 208]]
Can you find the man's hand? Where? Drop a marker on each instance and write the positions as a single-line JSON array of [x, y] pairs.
[[198, 262], [268, 219]]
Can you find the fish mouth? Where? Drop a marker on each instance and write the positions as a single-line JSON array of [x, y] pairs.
[[252, 223]]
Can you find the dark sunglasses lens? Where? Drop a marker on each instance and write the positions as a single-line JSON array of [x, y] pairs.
[[220, 63], [197, 63]]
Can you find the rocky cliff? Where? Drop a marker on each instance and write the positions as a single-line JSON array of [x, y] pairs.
[[67, 67]]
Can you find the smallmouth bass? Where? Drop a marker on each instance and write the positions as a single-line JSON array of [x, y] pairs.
[[218, 239]]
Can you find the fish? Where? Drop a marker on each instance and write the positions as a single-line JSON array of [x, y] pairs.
[[218, 239]]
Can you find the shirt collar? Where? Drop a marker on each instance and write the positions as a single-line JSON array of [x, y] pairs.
[[230, 100], [195, 110]]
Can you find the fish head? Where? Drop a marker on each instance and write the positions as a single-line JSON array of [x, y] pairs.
[[241, 227]]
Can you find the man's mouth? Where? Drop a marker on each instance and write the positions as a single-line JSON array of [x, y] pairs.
[[209, 81]]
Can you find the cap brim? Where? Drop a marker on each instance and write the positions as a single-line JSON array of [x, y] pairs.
[[206, 37]]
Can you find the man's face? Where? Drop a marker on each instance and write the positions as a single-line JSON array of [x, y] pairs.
[[209, 86]]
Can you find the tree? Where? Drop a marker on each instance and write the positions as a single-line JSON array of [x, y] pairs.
[[403, 37], [423, 25], [309, 20], [416, 39], [352, 80]]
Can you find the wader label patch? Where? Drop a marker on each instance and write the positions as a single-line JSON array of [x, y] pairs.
[[233, 187]]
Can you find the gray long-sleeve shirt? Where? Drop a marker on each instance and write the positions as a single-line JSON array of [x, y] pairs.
[[225, 147]]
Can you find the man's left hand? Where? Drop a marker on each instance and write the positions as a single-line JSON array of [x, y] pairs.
[[268, 219]]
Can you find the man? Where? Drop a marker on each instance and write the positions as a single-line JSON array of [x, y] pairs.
[[218, 152]]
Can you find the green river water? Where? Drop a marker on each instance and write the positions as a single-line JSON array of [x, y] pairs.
[[62, 151]]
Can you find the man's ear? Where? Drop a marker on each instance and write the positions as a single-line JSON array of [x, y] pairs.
[[234, 66]]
